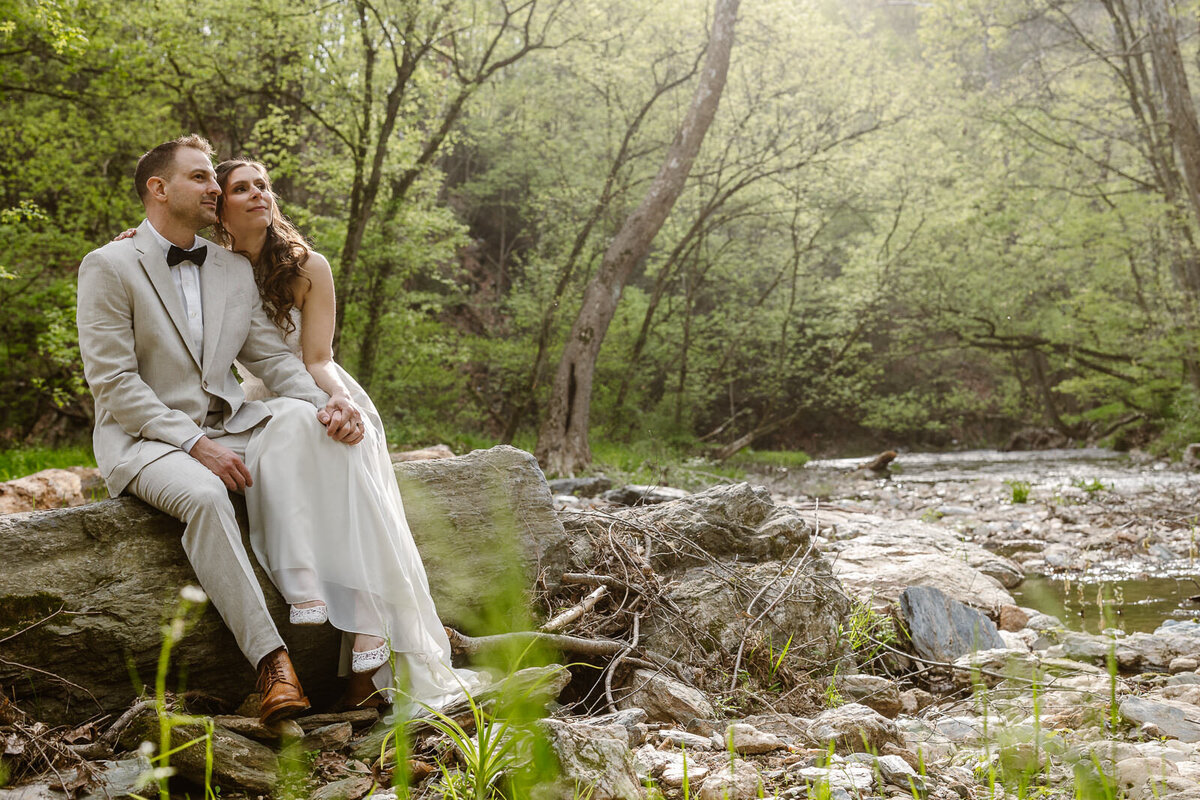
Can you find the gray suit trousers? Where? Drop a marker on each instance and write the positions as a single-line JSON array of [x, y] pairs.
[[181, 486]]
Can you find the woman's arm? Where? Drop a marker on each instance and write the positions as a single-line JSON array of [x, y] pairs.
[[317, 314]]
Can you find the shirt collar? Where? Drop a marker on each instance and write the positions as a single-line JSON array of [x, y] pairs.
[[162, 240]]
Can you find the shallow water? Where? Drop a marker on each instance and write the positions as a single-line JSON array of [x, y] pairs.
[[1092, 606], [1136, 524]]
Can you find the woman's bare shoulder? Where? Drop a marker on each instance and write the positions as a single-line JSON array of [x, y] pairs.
[[316, 277]]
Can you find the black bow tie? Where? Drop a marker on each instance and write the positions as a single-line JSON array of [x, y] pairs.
[[177, 254]]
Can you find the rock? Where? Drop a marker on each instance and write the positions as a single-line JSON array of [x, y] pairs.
[[251, 728], [1095, 649], [33, 791], [640, 495], [237, 762], [942, 629], [914, 700], [753, 539], [663, 698], [668, 767], [359, 718], [1183, 664], [586, 759], [736, 781], [1012, 618], [1155, 651], [750, 741], [681, 767], [483, 519], [854, 778], [1170, 718], [345, 789], [879, 694], [51, 488], [328, 737], [1143, 777], [904, 754], [591, 486], [890, 555], [898, 772], [992, 666], [424, 454], [854, 728], [631, 720], [691, 741], [116, 778], [787, 727]]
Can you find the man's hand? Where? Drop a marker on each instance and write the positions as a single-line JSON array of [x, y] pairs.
[[223, 462], [342, 420]]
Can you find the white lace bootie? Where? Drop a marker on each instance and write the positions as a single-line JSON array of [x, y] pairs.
[[370, 660], [316, 615]]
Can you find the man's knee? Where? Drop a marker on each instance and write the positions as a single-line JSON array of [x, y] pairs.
[[206, 494]]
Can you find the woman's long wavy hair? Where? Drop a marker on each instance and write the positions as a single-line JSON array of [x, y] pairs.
[[284, 253]]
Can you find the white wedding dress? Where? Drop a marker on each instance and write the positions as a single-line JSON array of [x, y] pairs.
[[361, 559]]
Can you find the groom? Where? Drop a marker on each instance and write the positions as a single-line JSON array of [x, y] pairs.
[[162, 315]]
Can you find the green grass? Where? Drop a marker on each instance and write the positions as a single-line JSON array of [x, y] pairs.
[[789, 459], [23, 461], [1020, 490], [656, 462]]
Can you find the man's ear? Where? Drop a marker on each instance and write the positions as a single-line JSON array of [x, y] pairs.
[[156, 188]]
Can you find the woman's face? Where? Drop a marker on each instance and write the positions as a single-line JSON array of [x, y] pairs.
[[246, 209]]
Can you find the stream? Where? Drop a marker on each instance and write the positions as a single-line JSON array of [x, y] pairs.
[[1105, 540]]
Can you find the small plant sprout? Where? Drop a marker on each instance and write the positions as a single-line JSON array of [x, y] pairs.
[[1019, 490]]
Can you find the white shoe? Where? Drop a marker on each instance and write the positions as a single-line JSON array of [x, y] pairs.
[[370, 660], [316, 615]]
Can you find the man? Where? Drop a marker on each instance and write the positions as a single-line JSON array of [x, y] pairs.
[[162, 315]]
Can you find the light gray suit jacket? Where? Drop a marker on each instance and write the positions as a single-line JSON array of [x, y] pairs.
[[152, 385]]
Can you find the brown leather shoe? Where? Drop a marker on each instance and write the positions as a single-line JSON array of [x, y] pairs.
[[282, 696]]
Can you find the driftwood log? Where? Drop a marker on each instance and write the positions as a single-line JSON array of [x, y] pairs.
[[84, 592]]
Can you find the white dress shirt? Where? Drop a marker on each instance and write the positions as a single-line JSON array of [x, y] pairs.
[[187, 280]]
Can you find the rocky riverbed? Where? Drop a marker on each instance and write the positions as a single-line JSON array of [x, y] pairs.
[[837, 634]]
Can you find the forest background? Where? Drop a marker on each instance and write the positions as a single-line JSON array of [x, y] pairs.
[[926, 224]]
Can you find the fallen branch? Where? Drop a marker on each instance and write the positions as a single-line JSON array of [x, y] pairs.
[[474, 645], [598, 580], [612, 668], [462, 644], [103, 747], [576, 611]]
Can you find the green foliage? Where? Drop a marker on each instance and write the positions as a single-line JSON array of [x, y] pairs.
[[788, 459], [936, 226], [1019, 490], [28, 460], [868, 634]]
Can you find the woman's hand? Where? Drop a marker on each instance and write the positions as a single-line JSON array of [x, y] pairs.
[[125, 234], [342, 419]]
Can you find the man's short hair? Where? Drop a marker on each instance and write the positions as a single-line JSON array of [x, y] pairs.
[[159, 161]]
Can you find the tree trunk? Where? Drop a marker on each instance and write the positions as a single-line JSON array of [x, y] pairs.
[[562, 444]]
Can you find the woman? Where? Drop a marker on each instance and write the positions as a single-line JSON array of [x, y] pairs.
[[365, 576]]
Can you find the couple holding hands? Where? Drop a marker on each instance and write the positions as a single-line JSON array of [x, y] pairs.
[[163, 317]]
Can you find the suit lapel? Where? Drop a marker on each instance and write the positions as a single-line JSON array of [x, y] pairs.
[[155, 265], [213, 291]]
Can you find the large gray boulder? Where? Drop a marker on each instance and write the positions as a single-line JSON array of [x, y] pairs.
[[103, 578], [941, 628]]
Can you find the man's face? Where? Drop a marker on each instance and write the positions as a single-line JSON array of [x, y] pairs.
[[191, 189]]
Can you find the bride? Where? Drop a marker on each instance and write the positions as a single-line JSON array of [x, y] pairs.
[[364, 575]]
